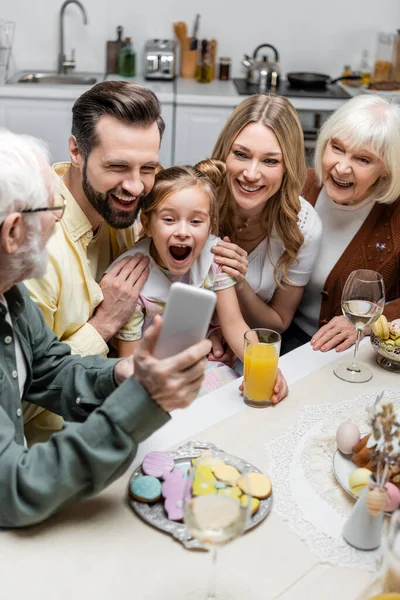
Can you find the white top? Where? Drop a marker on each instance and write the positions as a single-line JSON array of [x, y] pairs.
[[260, 272], [340, 224]]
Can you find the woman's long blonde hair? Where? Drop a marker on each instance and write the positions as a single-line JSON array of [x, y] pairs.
[[281, 211]]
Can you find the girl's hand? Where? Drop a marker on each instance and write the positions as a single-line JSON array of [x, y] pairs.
[[338, 333], [220, 351], [281, 388], [232, 258]]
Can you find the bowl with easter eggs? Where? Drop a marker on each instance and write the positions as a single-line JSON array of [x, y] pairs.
[[385, 340], [353, 467]]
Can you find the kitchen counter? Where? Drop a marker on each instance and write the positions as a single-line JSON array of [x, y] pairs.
[[163, 89], [186, 92], [224, 93]]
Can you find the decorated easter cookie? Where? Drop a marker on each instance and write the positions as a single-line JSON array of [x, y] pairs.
[[203, 482], [205, 472], [225, 473], [157, 463], [204, 459], [145, 489], [173, 490], [256, 485], [255, 503], [231, 492]]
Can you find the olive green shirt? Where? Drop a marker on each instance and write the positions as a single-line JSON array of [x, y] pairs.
[[104, 425]]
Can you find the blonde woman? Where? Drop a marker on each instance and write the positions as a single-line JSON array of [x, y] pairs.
[[271, 235]]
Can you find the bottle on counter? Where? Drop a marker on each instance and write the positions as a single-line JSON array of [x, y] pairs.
[[224, 68], [384, 58], [127, 59], [365, 68], [346, 71]]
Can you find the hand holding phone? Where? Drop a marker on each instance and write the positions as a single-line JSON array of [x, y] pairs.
[[186, 319]]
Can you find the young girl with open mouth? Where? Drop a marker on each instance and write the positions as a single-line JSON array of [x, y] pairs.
[[180, 219]]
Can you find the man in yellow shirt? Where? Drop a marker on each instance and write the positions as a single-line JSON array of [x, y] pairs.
[[116, 135]]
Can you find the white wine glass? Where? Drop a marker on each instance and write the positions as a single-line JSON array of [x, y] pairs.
[[214, 518], [363, 300]]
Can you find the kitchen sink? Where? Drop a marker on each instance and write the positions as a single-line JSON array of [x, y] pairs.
[[56, 79]]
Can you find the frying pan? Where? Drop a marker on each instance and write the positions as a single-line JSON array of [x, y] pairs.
[[314, 80]]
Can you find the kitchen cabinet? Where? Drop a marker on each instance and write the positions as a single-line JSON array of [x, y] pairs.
[[51, 119], [196, 131]]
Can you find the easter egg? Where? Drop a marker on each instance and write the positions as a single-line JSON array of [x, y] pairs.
[[347, 436], [358, 480], [393, 499]]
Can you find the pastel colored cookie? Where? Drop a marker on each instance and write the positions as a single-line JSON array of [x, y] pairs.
[[204, 459], [157, 463], [145, 488], [358, 480], [173, 490], [256, 485], [225, 473], [205, 472], [203, 485], [172, 482], [231, 492], [184, 469], [255, 503], [219, 485]]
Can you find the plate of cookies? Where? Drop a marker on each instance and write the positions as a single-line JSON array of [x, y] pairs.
[[156, 487]]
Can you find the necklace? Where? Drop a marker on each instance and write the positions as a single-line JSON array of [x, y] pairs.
[[244, 223]]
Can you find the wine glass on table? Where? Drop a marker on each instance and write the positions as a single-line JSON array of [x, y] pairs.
[[214, 515], [363, 300]]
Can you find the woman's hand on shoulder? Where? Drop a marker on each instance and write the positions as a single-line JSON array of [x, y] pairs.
[[339, 333], [232, 258]]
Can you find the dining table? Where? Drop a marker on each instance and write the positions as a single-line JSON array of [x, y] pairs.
[[100, 549]]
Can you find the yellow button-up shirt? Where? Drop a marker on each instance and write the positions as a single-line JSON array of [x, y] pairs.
[[68, 294]]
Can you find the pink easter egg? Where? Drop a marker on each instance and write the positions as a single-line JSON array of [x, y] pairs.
[[393, 500]]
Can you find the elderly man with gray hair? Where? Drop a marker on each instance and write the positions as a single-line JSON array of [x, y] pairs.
[[108, 411]]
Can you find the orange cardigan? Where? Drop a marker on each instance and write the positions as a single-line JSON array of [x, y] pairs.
[[375, 246]]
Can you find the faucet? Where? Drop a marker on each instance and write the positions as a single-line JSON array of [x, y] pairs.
[[63, 63]]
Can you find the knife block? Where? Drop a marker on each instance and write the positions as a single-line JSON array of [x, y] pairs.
[[188, 63]]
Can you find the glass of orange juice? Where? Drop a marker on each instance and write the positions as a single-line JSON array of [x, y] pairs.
[[261, 353]]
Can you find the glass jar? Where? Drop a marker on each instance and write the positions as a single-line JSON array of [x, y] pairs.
[[383, 70], [224, 68]]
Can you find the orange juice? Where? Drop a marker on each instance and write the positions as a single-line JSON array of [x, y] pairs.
[[260, 365], [390, 596]]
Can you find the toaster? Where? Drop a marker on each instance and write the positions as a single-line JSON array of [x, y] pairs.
[[159, 59]]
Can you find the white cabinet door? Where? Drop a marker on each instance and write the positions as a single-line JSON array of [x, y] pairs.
[[197, 129], [51, 121]]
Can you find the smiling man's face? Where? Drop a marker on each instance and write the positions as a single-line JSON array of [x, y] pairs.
[[120, 169]]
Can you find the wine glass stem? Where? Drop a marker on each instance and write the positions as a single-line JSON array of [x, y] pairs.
[[212, 584], [354, 365]]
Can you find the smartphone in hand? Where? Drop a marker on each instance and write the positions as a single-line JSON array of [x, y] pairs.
[[186, 319]]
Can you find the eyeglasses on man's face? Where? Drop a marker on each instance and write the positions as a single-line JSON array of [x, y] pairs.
[[58, 209]]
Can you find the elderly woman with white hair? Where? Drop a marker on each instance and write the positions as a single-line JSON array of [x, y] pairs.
[[355, 189]]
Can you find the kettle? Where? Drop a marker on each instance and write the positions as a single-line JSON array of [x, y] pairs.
[[262, 72]]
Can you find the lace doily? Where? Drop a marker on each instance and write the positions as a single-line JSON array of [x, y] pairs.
[[306, 493]]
